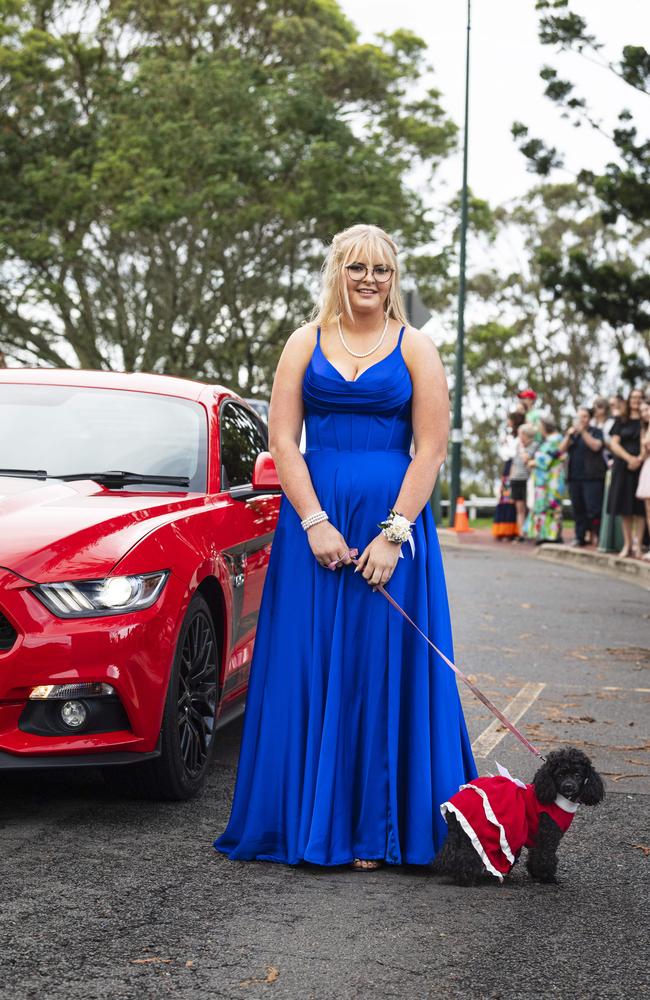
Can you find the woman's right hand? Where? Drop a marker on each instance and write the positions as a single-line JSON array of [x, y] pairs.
[[328, 545]]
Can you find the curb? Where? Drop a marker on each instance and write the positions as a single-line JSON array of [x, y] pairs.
[[447, 536], [606, 563]]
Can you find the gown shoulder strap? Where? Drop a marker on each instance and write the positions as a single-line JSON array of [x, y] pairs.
[[318, 335], [401, 334]]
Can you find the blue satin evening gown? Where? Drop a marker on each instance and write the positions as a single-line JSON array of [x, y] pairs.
[[353, 732]]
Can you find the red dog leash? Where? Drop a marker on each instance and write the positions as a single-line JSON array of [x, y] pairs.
[[459, 673]]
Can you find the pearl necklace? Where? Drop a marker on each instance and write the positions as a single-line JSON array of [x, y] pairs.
[[366, 353]]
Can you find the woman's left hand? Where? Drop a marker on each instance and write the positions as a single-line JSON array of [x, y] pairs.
[[378, 560]]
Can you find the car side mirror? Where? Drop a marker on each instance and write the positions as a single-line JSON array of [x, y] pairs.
[[265, 474]]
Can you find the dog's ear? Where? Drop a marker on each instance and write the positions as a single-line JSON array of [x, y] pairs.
[[593, 790], [544, 784]]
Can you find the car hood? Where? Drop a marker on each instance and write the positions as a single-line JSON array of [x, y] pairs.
[[51, 530]]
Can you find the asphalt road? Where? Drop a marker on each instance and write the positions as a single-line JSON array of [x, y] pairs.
[[108, 898]]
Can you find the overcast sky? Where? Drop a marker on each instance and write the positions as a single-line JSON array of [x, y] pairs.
[[505, 85]]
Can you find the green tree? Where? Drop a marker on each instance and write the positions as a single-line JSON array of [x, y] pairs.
[[170, 173], [611, 286], [520, 333]]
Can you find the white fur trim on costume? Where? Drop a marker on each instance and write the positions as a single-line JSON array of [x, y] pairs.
[[473, 839], [566, 804], [505, 773], [489, 812]]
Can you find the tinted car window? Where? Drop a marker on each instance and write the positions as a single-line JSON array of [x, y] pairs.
[[243, 437], [70, 429]]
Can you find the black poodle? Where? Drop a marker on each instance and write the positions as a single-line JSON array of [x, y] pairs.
[[491, 819]]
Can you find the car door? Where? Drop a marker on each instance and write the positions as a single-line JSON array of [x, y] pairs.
[[243, 435]]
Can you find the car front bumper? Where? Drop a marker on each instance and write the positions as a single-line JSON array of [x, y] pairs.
[[132, 652]]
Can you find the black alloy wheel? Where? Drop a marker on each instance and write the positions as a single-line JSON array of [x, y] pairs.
[[187, 735], [197, 693]]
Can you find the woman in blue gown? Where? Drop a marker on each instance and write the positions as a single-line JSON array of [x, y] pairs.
[[353, 732]]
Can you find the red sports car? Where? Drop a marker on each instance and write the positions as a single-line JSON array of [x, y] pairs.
[[136, 519]]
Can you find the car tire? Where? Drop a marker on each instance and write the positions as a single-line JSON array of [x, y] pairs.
[[187, 735]]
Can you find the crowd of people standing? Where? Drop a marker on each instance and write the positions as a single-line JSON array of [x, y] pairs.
[[602, 462]]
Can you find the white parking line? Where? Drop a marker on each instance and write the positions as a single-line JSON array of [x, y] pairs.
[[633, 690], [486, 742]]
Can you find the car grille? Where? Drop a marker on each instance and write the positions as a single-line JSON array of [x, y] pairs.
[[8, 634]]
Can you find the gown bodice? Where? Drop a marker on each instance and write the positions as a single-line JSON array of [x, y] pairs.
[[369, 413]]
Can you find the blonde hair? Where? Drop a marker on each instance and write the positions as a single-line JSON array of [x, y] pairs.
[[346, 247]]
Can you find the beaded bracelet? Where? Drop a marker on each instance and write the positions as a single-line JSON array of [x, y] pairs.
[[315, 518]]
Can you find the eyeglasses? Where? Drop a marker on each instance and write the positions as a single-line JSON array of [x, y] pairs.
[[380, 273]]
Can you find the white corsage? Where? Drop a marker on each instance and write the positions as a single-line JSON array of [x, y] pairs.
[[397, 528]]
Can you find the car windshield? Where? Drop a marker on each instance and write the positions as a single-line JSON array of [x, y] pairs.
[[71, 429]]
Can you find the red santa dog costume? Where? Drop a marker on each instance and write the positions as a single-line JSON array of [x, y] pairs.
[[500, 815]]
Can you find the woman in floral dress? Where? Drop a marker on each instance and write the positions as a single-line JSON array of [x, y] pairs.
[[544, 522]]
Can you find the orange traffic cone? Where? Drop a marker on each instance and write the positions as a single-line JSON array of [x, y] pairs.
[[461, 520]]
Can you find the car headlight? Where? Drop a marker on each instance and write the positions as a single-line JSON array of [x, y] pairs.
[[112, 596]]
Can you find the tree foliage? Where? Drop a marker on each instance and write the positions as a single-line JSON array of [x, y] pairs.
[[169, 174], [612, 287], [520, 333]]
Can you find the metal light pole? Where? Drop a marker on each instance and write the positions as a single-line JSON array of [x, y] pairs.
[[457, 423]]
